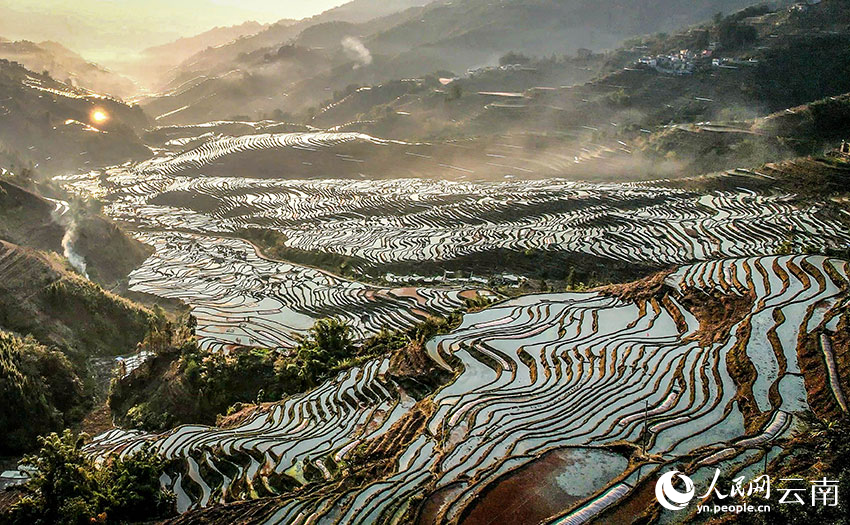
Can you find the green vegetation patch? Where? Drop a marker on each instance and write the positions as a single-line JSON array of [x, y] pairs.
[[68, 488], [41, 392], [185, 384]]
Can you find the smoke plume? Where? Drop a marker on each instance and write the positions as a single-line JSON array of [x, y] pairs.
[[62, 216], [76, 260], [355, 50]]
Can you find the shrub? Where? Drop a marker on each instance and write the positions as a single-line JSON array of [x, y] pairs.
[[67, 488], [39, 383], [514, 58]]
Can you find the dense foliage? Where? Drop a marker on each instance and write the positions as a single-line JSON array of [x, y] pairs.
[[831, 115], [40, 391], [68, 488], [191, 385]]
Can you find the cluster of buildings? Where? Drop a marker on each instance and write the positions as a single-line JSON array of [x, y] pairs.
[[507, 67], [686, 62], [802, 7]]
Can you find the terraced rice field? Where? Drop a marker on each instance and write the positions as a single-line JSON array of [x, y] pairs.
[[534, 375], [409, 220], [240, 299]]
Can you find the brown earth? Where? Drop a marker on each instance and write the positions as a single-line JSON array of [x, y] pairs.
[[815, 373], [97, 421], [527, 495], [716, 312], [652, 287]]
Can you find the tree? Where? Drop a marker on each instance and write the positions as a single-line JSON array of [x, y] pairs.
[[67, 488], [514, 58], [734, 35], [455, 91], [332, 336], [40, 383]]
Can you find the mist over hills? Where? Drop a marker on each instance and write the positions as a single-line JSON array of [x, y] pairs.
[[152, 65], [49, 125], [315, 57], [222, 58], [104, 33], [438, 263], [62, 63]]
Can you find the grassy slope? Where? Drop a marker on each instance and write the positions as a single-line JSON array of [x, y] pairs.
[[40, 295]]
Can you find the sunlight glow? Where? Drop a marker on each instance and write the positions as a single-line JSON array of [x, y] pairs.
[[99, 116]]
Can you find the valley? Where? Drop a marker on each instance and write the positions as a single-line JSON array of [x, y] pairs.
[[420, 262]]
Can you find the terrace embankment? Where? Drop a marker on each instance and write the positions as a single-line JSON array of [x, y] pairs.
[[371, 460], [546, 268], [417, 373], [379, 457], [716, 311], [718, 314], [647, 289], [186, 385], [812, 178], [824, 358], [634, 371]]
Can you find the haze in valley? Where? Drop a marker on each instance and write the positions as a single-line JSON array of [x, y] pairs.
[[106, 31]]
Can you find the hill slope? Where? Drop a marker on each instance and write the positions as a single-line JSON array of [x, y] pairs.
[[248, 76], [153, 65], [28, 219], [62, 63], [44, 297], [51, 124], [40, 384]]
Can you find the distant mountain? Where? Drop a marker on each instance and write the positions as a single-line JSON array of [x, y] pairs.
[[217, 60], [183, 48], [155, 63], [356, 45], [458, 35], [64, 64], [602, 114]]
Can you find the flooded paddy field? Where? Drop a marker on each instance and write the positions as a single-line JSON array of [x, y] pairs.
[[576, 373], [542, 384], [411, 220], [241, 299]]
